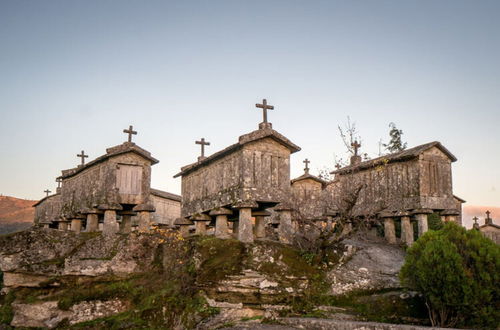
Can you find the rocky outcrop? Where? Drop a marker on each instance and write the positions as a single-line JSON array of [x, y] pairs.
[[63, 278], [48, 315], [368, 263]]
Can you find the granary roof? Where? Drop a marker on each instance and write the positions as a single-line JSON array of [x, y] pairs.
[[164, 194], [396, 157], [111, 152], [243, 140], [494, 225], [44, 199], [459, 199], [306, 176]]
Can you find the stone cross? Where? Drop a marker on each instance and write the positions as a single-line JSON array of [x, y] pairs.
[[130, 132], [475, 219], [356, 146], [82, 156], [488, 214], [203, 143], [264, 106], [307, 162], [47, 192], [58, 180]]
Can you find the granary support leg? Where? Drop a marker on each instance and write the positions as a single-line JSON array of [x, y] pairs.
[[406, 230], [389, 230], [110, 224], [260, 226], [423, 225], [76, 225], [221, 225], [62, 225], [126, 224], [245, 230], [285, 228], [260, 223], [144, 220], [200, 228], [92, 222]]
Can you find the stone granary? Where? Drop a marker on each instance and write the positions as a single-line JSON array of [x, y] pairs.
[[111, 189], [405, 186], [239, 183], [307, 195], [489, 229]]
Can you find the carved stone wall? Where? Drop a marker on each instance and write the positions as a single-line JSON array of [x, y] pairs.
[[166, 210], [258, 171], [97, 185], [423, 182], [48, 209]]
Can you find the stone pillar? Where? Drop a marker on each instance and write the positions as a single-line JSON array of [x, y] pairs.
[[285, 228], [245, 229], [144, 221], [423, 225], [144, 211], [62, 225], [260, 223], [126, 224], [389, 230], [245, 225], [200, 227], [200, 221], [406, 229], [183, 225], [110, 224], [92, 222], [76, 225], [221, 225]]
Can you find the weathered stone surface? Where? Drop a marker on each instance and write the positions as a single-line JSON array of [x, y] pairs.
[[389, 230], [368, 263], [14, 280], [245, 229], [48, 315], [415, 178]]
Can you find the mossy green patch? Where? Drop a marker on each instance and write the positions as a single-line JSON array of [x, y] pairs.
[[218, 258]]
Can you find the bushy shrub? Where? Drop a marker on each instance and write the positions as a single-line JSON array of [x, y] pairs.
[[458, 272]]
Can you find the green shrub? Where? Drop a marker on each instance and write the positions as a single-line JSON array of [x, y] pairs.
[[458, 272], [434, 221]]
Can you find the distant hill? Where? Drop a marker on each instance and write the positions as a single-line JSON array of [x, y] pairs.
[[15, 214]]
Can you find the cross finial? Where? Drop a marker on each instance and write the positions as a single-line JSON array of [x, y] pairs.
[[264, 106], [356, 146], [203, 143], [47, 192], [59, 180], [82, 156], [488, 214], [130, 131], [307, 162], [475, 219]]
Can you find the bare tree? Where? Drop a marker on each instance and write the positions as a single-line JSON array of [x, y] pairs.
[[349, 135]]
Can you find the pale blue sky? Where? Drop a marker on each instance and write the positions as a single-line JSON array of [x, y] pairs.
[[73, 74]]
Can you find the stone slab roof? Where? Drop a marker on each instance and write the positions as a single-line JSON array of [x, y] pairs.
[[396, 157], [111, 152], [490, 225], [244, 139], [306, 176], [44, 199], [164, 194], [459, 199]]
